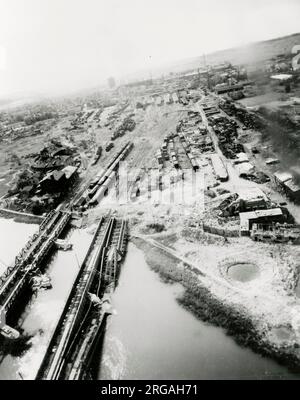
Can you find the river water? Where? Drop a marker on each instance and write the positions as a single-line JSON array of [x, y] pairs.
[[43, 311], [153, 337], [150, 337], [13, 237]]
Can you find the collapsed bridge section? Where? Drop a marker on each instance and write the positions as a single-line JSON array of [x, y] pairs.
[[72, 345], [18, 277]]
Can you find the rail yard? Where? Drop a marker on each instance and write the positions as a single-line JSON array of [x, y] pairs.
[[180, 168]]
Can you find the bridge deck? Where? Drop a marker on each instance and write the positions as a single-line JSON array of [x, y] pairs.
[[73, 340], [18, 276]]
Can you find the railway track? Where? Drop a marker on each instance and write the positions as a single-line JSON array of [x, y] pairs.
[[96, 189], [32, 245], [18, 277]]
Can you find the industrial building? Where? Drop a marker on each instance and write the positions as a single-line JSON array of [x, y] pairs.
[[210, 109], [244, 168], [252, 199], [158, 101], [241, 158], [222, 88], [276, 233], [175, 97], [57, 181], [219, 167], [167, 98], [247, 219], [287, 183]]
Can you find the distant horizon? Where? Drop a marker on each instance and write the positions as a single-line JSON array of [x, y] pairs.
[[18, 96], [11, 97], [170, 63], [57, 47]]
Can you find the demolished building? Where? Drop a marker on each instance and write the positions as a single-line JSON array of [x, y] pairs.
[[276, 233], [58, 181]]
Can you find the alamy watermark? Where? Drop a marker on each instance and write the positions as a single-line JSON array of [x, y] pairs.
[[150, 186]]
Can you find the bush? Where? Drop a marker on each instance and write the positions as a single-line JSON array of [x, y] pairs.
[[156, 227]]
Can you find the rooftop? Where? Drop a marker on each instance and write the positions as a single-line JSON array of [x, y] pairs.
[[69, 170], [282, 77], [250, 215], [251, 194], [292, 185], [283, 176]]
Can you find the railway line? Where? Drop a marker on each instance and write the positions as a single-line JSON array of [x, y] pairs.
[[102, 182], [71, 347], [18, 276], [33, 243], [73, 342]]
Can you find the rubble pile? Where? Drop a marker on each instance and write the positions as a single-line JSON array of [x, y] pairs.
[[256, 176], [277, 233], [33, 120], [55, 155], [226, 131], [249, 120], [195, 135], [41, 185], [127, 125]]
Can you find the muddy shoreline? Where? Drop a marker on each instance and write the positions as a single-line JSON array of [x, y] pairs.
[[198, 300], [24, 219]]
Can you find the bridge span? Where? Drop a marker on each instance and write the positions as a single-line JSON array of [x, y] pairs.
[[18, 277], [72, 345]]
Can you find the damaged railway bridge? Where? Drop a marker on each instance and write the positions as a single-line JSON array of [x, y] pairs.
[[79, 328]]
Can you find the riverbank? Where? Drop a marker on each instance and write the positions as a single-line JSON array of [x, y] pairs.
[[199, 298], [39, 315], [20, 217]]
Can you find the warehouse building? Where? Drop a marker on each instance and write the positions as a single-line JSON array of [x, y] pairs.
[[252, 199], [219, 167], [222, 88], [287, 183], [247, 219]]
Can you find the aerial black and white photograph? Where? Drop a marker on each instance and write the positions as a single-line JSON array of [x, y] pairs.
[[149, 192]]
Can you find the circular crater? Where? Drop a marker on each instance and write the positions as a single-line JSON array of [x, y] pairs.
[[282, 334], [243, 271]]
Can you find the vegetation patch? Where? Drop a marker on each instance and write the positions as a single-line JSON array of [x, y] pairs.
[[152, 228], [204, 305]]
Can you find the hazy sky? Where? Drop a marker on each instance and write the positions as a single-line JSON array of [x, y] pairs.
[[62, 45]]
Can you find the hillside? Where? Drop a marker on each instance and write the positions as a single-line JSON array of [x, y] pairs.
[[250, 54], [256, 52], [253, 53]]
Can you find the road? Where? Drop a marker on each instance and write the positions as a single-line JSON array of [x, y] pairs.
[[235, 182]]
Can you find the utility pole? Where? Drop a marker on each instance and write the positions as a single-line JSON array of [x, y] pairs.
[[207, 72]]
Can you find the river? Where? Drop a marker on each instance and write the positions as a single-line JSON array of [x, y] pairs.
[[43, 311], [153, 337], [150, 337], [13, 237]]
